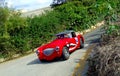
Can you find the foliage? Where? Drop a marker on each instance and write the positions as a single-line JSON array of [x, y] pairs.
[[12, 29], [42, 28], [113, 30], [83, 14]]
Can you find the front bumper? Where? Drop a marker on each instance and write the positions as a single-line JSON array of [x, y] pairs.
[[41, 56], [46, 55]]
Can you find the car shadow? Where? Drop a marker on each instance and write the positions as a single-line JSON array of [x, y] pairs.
[[37, 61]]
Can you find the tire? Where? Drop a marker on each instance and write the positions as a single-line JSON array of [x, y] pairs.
[[42, 60], [65, 53], [81, 43]]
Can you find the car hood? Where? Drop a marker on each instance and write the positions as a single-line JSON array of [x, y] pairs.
[[54, 43]]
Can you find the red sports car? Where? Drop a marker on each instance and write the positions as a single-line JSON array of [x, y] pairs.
[[65, 43]]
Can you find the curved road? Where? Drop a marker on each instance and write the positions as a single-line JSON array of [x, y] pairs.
[[31, 66]]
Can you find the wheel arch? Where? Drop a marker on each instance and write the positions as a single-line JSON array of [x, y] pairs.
[[61, 49]]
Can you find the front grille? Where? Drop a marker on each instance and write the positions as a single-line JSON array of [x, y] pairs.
[[48, 51]]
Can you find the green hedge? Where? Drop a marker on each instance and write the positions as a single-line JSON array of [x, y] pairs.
[[82, 14]]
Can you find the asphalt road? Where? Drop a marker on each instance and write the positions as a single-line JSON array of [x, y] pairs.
[[31, 66]]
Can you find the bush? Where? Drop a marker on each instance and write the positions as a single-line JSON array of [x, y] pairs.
[[105, 59], [42, 28], [12, 27], [6, 48]]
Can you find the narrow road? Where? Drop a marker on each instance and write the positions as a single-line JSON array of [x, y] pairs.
[[31, 66]]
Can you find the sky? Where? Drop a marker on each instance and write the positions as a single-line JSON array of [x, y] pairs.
[[28, 4]]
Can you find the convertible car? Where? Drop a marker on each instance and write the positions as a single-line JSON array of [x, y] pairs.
[[65, 43]]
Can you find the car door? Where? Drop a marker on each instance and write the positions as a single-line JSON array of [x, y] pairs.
[[73, 42]]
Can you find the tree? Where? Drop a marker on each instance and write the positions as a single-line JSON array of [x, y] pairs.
[[58, 2]]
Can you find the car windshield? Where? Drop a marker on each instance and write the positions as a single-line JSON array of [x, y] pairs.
[[60, 36]]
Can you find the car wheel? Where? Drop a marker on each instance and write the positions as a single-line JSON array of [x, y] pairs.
[[65, 53], [42, 60], [81, 43]]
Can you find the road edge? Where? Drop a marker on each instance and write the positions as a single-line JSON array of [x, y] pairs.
[[81, 64]]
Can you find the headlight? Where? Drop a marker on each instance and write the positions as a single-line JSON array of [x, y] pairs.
[[57, 48]]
